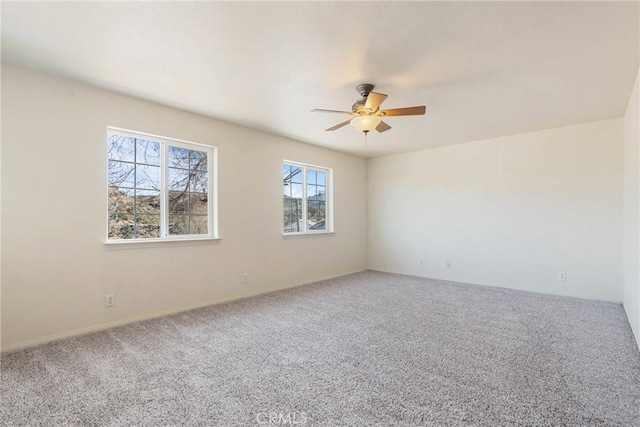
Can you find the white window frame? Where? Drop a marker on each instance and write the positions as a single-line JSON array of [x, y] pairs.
[[328, 198], [212, 198]]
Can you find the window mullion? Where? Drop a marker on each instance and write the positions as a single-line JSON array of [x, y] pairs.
[[135, 188], [211, 211], [164, 179], [304, 199]]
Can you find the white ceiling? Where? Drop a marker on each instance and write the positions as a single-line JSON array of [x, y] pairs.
[[483, 69]]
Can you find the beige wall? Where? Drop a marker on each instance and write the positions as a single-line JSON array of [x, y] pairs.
[[632, 211], [512, 212], [56, 268]]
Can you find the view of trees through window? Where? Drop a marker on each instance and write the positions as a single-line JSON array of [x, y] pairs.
[[188, 188], [135, 180], [304, 198]]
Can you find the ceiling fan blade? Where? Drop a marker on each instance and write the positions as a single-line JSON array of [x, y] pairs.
[[408, 111], [339, 125], [374, 100], [382, 127], [319, 110]]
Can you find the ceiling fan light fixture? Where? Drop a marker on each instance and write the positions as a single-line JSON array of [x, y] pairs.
[[367, 112], [366, 123]]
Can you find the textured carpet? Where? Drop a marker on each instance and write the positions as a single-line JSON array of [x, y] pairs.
[[369, 349]]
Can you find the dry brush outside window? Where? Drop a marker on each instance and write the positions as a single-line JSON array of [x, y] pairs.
[[158, 188]]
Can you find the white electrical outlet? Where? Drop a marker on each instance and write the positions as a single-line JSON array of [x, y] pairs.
[[338, 261], [562, 276], [449, 264], [245, 277], [109, 300], [421, 262]]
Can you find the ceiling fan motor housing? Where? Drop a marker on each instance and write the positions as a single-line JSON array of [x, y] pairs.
[[364, 90], [358, 106]]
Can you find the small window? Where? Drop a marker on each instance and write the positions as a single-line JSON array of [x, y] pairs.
[[306, 198], [159, 188]]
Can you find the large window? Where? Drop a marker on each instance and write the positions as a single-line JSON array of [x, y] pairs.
[[306, 198], [159, 188]]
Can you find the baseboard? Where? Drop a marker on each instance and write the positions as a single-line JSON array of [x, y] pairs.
[[104, 326], [635, 331], [489, 285]]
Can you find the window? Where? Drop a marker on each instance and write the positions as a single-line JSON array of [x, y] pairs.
[[306, 198], [159, 188]]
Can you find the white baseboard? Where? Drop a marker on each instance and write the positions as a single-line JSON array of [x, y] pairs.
[[635, 331], [103, 326]]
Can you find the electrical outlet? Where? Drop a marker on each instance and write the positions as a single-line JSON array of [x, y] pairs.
[[449, 264], [562, 276], [338, 261], [421, 262], [109, 300], [245, 277]]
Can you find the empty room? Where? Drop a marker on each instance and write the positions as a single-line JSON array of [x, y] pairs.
[[320, 213]]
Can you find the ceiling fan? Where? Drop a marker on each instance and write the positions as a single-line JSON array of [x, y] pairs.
[[367, 113]]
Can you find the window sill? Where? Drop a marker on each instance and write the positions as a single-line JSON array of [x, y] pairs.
[[308, 234], [130, 244]]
